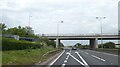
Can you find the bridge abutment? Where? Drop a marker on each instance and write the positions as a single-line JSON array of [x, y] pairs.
[[57, 42], [94, 43]]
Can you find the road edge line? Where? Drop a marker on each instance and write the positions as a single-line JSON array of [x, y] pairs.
[[57, 58]]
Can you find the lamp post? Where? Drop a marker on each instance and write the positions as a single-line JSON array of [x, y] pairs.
[[100, 20], [28, 27], [29, 20], [57, 39]]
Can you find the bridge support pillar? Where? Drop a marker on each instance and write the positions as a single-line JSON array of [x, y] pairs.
[[57, 42], [94, 43]]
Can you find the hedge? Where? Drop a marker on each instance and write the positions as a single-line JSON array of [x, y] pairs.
[[12, 44]]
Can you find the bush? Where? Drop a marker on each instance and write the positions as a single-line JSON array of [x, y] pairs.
[[12, 44], [109, 45]]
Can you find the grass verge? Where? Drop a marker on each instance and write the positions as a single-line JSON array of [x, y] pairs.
[[24, 57], [112, 51]]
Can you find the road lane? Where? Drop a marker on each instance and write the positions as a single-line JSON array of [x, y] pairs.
[[84, 58], [110, 58], [60, 61], [73, 59]]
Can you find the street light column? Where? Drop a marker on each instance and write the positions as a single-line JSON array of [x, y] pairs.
[[100, 19], [101, 33], [29, 20], [57, 39]]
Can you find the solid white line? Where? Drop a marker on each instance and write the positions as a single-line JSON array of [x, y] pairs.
[[75, 58], [98, 58], [82, 58], [57, 58]]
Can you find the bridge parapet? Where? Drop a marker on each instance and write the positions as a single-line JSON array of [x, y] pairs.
[[92, 35]]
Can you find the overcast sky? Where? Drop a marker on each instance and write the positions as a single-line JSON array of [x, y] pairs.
[[79, 16]]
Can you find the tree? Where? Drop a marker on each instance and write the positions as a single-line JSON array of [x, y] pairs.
[[77, 44], [61, 45], [2, 26], [19, 27], [109, 45]]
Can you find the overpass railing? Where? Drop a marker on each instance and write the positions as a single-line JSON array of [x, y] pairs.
[[105, 34]]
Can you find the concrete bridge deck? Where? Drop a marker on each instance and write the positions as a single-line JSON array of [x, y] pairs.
[[93, 38]]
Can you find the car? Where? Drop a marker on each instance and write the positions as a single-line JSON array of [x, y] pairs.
[[74, 48]]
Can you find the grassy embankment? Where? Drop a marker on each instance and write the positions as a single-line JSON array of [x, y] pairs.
[[19, 52], [25, 56]]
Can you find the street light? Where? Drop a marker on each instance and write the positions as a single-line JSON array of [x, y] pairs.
[[28, 24], [58, 27], [57, 33], [29, 20], [100, 19]]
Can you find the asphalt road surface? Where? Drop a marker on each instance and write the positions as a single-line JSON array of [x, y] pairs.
[[85, 58]]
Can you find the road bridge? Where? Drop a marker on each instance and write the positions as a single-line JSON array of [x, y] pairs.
[[93, 39]]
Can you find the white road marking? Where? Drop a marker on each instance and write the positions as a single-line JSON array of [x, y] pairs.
[[110, 54], [67, 57], [81, 51], [86, 53], [103, 53], [65, 61], [63, 65], [57, 58], [75, 59], [98, 58], [70, 51], [85, 63]]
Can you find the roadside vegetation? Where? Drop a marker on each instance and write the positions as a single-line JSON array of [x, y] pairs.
[[26, 57], [78, 45], [12, 44], [18, 52], [108, 47]]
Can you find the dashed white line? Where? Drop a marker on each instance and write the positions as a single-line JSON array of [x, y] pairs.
[[57, 58], [103, 53], [110, 54], [65, 61], [63, 65], [86, 53], [98, 58], [67, 57]]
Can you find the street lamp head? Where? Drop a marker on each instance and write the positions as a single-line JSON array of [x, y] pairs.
[[100, 17], [97, 17], [61, 21], [104, 17]]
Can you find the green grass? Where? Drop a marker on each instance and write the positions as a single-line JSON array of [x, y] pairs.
[[113, 51], [26, 57], [0, 58], [104, 49]]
